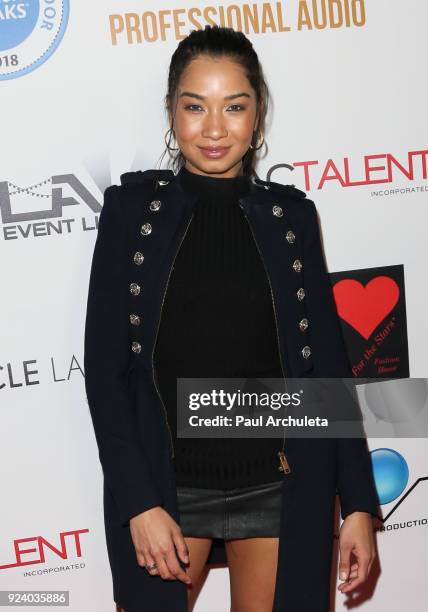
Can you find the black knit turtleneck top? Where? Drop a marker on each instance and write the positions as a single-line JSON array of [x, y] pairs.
[[218, 321]]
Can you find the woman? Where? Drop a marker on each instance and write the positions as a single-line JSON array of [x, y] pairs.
[[210, 272]]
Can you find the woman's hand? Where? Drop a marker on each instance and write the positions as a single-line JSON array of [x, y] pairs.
[[155, 535], [356, 536]]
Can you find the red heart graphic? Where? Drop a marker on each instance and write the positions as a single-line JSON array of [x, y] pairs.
[[365, 307]]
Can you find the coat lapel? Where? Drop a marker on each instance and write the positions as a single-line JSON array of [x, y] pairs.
[[279, 240], [158, 226], [164, 214]]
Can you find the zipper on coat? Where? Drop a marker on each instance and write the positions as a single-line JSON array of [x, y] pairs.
[[157, 331], [284, 465]]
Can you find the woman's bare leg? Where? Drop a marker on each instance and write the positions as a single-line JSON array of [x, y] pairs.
[[252, 569], [199, 549]]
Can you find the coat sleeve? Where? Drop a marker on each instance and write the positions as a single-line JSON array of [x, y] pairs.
[[125, 466], [355, 482]]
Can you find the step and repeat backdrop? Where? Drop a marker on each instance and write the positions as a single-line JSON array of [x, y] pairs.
[[81, 102]]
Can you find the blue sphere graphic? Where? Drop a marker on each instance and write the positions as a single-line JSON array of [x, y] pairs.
[[391, 473]]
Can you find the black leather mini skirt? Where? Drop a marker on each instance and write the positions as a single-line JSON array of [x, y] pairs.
[[245, 512]]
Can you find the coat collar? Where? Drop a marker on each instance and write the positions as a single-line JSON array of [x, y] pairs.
[[162, 177], [166, 184], [165, 181]]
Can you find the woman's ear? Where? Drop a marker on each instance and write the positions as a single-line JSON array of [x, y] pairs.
[[257, 120], [168, 109]]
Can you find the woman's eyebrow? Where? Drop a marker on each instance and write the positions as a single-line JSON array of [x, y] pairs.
[[199, 97]]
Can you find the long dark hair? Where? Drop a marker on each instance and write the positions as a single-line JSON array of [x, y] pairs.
[[217, 41]]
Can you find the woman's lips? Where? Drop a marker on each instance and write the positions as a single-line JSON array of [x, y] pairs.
[[214, 153]]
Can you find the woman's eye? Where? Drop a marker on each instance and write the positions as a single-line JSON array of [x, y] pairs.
[[196, 107], [191, 106]]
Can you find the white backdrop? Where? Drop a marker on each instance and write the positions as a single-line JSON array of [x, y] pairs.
[[73, 119]]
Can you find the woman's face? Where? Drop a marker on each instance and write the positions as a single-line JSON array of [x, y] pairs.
[[215, 108]]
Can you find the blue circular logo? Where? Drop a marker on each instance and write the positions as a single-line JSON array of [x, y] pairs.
[[391, 474], [30, 32]]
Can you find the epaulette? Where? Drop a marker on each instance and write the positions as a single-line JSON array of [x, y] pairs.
[[290, 190], [141, 176]]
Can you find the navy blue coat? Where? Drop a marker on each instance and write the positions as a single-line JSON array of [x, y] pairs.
[[141, 226]]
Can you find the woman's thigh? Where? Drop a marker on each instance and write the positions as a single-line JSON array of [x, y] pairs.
[[199, 549], [252, 568]]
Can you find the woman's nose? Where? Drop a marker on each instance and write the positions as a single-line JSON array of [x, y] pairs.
[[214, 126]]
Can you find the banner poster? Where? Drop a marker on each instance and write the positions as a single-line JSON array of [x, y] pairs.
[[371, 304]]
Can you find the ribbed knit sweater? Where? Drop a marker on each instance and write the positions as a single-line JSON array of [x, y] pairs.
[[218, 321]]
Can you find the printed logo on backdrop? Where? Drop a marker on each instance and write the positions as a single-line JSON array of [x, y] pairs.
[[391, 476], [41, 209], [372, 309], [30, 32], [65, 546], [130, 27], [398, 174]]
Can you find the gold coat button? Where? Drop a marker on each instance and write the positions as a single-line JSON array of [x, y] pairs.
[[146, 229], [290, 237], [134, 288], [136, 347], [163, 183], [155, 205], [300, 294], [138, 258], [303, 324], [135, 319], [277, 210], [297, 265], [306, 351]]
